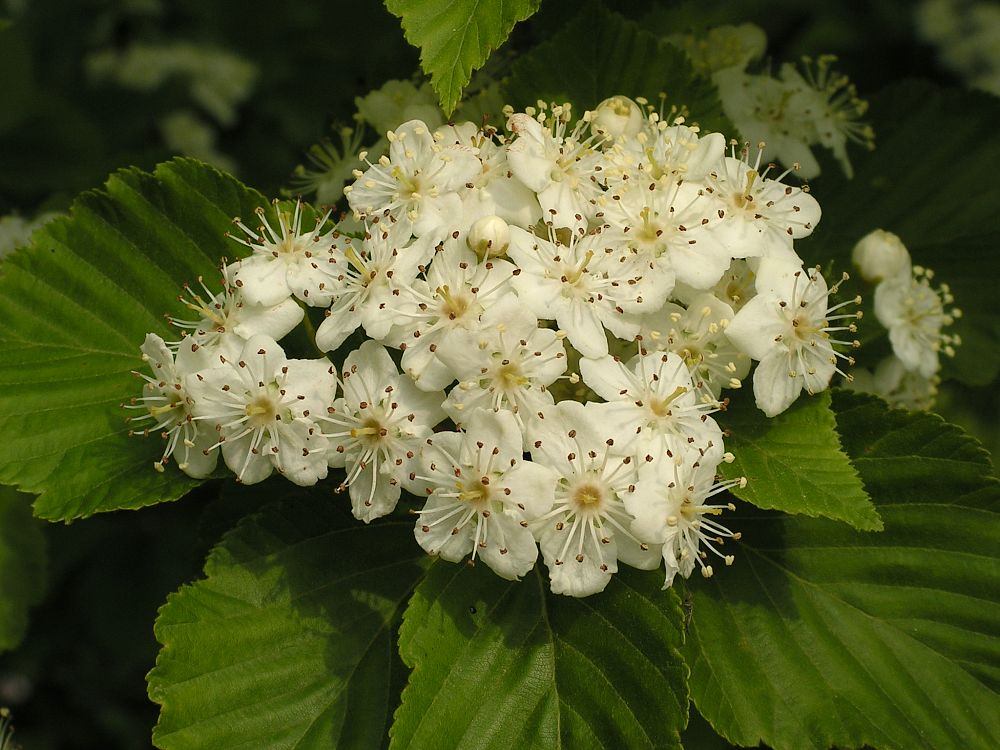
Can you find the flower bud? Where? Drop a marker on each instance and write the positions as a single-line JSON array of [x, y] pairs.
[[881, 255], [616, 117], [489, 237]]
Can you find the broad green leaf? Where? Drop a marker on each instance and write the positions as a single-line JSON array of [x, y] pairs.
[[922, 183], [819, 635], [76, 307], [599, 54], [22, 565], [455, 37], [506, 664], [793, 462], [289, 641]]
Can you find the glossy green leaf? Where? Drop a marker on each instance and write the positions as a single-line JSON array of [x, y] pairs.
[[456, 37], [923, 183], [599, 54], [819, 635], [289, 641], [76, 307], [794, 462], [502, 664], [22, 565]]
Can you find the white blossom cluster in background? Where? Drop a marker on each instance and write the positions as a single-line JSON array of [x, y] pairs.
[[966, 34], [657, 259], [802, 107], [914, 314]]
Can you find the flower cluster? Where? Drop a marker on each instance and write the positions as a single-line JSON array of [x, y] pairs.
[[656, 259], [914, 314]]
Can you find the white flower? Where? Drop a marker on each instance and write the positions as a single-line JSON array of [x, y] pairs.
[[168, 406], [698, 336], [376, 429], [507, 364], [652, 406], [561, 168], [663, 153], [762, 215], [226, 320], [263, 406], [433, 311], [904, 388], [287, 262], [914, 314], [417, 184], [373, 272], [671, 508], [587, 286], [489, 237], [481, 495], [587, 531], [881, 255], [617, 117], [787, 328]]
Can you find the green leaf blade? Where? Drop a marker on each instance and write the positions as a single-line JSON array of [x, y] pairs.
[[456, 37], [794, 462], [820, 636], [78, 304], [500, 664], [288, 641]]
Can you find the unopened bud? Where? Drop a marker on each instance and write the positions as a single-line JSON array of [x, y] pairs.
[[616, 117], [489, 237], [881, 255]]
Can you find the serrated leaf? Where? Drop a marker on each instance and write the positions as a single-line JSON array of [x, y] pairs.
[[455, 37], [288, 642], [600, 54], [924, 193], [76, 307], [794, 462], [22, 565], [502, 664], [819, 635]]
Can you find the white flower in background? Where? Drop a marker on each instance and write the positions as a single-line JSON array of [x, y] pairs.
[[226, 320], [586, 286], [398, 101], [562, 168], [722, 47], [652, 406], [16, 231], [168, 406], [417, 184], [698, 336], [482, 495], [263, 407], [288, 261], [891, 380], [507, 364], [375, 430], [787, 327], [372, 273], [331, 167], [672, 510], [736, 287], [914, 314], [763, 215], [450, 299], [588, 529], [881, 255]]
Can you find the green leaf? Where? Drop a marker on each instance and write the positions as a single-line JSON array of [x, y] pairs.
[[926, 192], [793, 462], [456, 37], [22, 565], [288, 642], [76, 307], [819, 635], [505, 664], [599, 54]]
